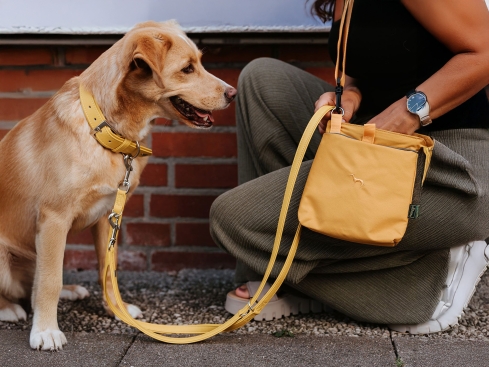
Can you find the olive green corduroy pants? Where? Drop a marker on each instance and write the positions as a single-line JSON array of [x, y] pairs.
[[368, 283]]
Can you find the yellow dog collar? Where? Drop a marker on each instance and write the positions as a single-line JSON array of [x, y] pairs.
[[102, 131]]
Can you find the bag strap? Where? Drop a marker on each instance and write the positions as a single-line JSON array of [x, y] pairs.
[[342, 42], [254, 306]]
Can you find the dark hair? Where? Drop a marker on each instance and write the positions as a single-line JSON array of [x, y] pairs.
[[323, 9]]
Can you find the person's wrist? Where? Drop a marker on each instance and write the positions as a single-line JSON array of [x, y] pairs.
[[412, 121], [355, 95]]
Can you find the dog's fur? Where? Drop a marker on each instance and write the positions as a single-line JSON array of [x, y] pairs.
[[55, 178]]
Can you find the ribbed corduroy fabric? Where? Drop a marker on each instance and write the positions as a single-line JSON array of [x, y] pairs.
[[368, 283]]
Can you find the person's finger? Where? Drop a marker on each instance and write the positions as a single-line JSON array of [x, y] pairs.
[[326, 99], [321, 128]]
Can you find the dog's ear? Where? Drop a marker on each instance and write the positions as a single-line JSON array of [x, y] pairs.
[[149, 53]]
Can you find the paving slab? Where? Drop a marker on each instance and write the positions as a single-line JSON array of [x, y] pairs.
[[264, 350], [82, 350], [427, 352]]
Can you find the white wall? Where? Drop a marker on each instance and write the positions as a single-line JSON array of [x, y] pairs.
[[116, 16]]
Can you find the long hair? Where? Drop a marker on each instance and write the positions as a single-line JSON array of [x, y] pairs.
[[323, 9]]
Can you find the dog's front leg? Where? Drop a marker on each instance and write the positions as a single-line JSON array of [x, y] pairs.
[[52, 229]]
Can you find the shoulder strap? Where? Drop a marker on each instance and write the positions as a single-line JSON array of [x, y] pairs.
[[342, 41], [254, 307]]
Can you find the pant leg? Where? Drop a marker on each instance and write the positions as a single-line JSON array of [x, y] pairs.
[[273, 106], [357, 279], [268, 133]]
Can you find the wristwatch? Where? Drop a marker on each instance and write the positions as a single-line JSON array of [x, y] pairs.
[[417, 103]]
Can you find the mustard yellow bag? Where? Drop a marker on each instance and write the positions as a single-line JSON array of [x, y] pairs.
[[361, 183]]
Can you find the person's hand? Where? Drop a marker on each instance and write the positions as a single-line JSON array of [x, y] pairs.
[[350, 101], [397, 118]]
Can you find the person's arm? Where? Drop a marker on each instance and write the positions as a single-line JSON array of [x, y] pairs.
[[463, 27]]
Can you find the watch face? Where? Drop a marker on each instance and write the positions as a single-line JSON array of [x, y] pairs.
[[416, 102]]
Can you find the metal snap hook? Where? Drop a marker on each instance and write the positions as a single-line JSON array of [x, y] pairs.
[[340, 109]]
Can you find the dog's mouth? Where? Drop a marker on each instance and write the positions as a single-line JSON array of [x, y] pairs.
[[198, 117]]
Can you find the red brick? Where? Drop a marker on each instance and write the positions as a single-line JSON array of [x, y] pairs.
[[194, 234], [226, 117], [189, 206], [304, 52], [326, 74], [3, 133], [83, 55], [174, 261], [134, 206], [148, 234], [132, 261], [35, 80], [229, 76], [206, 175], [80, 259], [194, 144], [234, 53], [163, 122], [12, 109], [82, 238], [154, 175], [25, 56]]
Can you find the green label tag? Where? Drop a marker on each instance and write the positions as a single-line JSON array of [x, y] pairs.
[[413, 211]]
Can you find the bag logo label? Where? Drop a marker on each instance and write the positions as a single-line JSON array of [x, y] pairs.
[[355, 180], [413, 211]]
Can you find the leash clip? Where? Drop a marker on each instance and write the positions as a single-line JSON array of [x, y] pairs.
[[339, 92], [250, 309], [126, 185], [115, 228]]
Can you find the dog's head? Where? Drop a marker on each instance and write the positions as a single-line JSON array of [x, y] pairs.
[[155, 70]]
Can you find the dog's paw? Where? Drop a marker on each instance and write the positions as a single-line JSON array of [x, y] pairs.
[[49, 339], [134, 311], [73, 292], [12, 313]]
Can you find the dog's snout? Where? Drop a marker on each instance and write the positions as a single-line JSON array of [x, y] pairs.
[[230, 94]]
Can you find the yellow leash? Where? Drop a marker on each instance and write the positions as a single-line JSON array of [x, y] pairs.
[[253, 307], [105, 135]]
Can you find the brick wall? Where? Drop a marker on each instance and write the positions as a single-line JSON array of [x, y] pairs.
[[166, 223]]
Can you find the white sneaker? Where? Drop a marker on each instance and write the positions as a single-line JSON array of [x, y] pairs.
[[467, 265]]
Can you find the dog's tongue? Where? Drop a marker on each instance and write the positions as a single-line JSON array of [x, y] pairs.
[[204, 115]]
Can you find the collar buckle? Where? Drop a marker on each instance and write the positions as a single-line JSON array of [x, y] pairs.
[[99, 128]]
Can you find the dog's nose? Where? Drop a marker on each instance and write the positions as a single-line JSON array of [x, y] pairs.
[[230, 94]]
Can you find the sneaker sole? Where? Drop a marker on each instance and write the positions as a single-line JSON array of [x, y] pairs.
[[284, 306], [445, 321]]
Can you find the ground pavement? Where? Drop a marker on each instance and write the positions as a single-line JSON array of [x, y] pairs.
[[323, 339]]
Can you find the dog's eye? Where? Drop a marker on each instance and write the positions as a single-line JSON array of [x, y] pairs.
[[189, 69]]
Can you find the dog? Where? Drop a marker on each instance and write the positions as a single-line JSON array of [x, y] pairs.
[[55, 178]]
